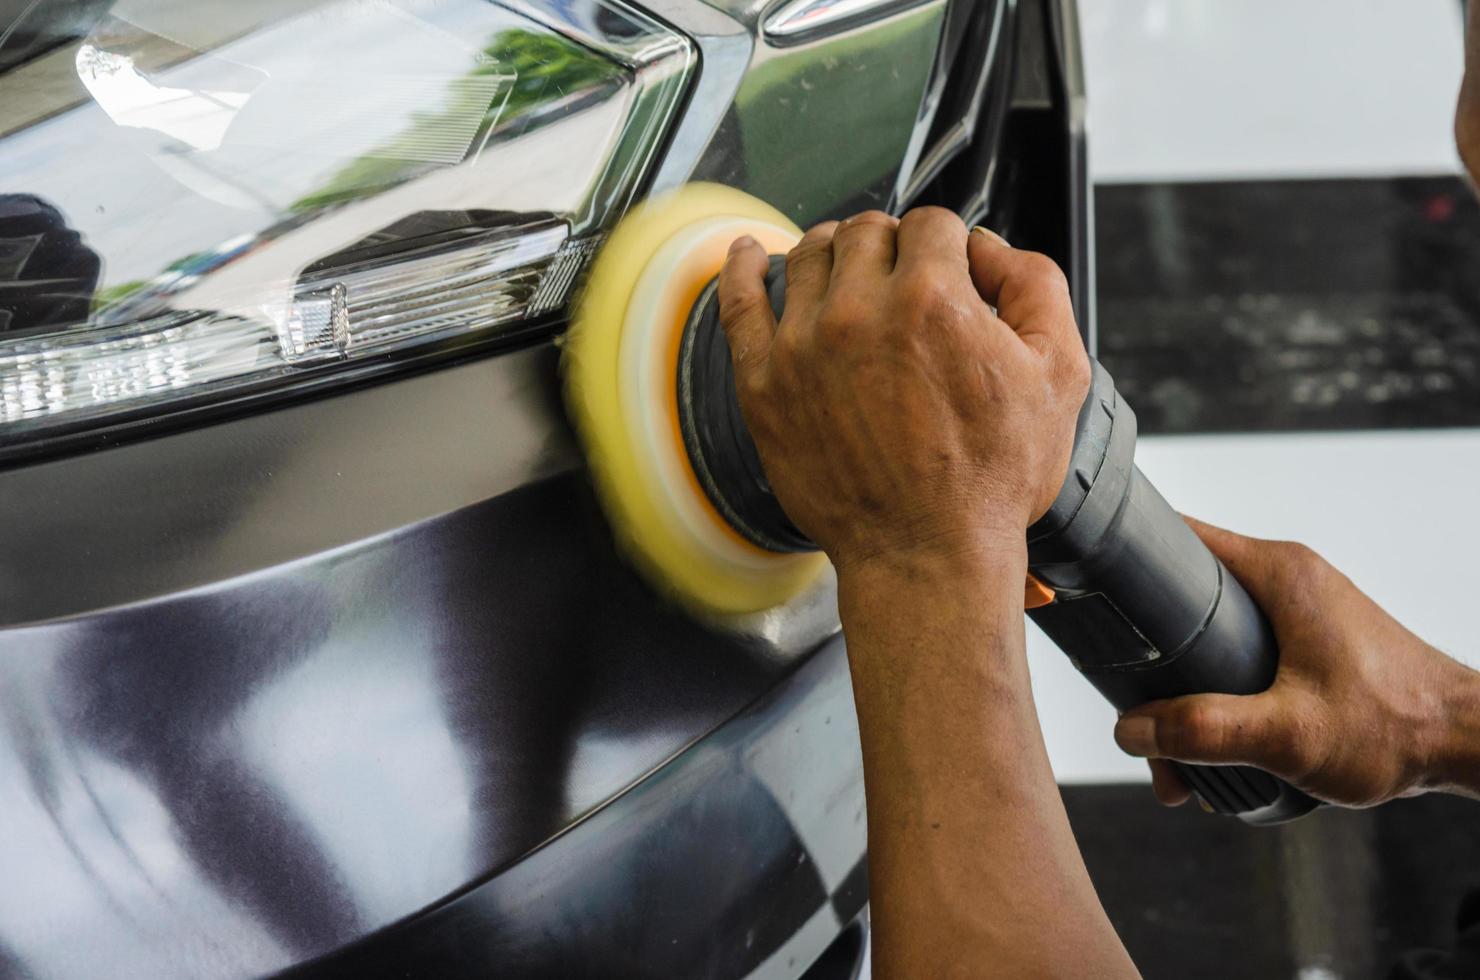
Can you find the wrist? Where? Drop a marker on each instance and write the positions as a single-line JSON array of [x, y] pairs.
[[937, 622], [909, 584], [1454, 761], [983, 555]]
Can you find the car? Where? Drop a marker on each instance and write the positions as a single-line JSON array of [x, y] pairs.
[[316, 655]]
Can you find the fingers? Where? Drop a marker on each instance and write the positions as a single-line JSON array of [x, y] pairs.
[[863, 250], [808, 271], [930, 242], [744, 308], [1029, 292], [1217, 729], [1167, 783]]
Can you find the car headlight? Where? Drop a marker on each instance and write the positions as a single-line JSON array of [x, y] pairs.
[[194, 197]]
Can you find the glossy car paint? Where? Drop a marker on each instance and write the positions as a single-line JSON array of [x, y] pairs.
[[357, 685]]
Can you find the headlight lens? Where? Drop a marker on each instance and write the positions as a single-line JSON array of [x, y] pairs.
[[200, 196]]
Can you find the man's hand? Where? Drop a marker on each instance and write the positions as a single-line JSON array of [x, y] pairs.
[[914, 410], [1361, 711], [897, 415]]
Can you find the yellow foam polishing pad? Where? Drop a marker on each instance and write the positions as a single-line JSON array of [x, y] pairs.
[[620, 366]]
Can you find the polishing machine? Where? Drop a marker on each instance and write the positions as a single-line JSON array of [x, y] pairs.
[[1117, 579]]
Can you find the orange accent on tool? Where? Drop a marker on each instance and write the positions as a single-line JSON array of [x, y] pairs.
[[1036, 594]]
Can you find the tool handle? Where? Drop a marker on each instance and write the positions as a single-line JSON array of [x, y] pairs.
[[1143, 608]]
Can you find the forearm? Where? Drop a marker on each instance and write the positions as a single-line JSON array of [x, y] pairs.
[[973, 867]]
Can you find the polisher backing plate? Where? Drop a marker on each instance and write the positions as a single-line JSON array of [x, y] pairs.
[[620, 365]]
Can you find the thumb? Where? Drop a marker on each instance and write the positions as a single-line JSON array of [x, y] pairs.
[[1219, 729], [1028, 291], [744, 308]]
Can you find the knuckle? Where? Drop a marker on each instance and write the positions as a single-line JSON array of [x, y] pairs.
[[1299, 753], [737, 308], [870, 226], [1076, 375], [1300, 559], [1043, 272], [821, 232], [1194, 730], [839, 317], [923, 295], [787, 347], [865, 218], [1297, 758], [752, 386], [806, 254], [933, 217]]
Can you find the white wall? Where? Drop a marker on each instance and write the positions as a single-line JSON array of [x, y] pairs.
[[1233, 89]]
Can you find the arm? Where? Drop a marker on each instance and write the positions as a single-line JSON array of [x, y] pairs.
[[1361, 711], [914, 433], [972, 865]]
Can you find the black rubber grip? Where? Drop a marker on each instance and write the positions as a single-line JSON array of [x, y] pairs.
[[718, 444], [1143, 609]]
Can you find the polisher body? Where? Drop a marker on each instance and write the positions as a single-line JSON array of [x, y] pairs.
[[1123, 586], [1134, 598], [1141, 606]]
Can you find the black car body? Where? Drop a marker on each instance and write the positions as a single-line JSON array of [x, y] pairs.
[[332, 669]]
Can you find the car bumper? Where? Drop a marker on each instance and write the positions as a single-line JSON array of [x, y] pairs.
[[744, 855]]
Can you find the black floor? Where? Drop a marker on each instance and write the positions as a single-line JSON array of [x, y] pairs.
[[1279, 306], [1347, 892], [1284, 305]]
